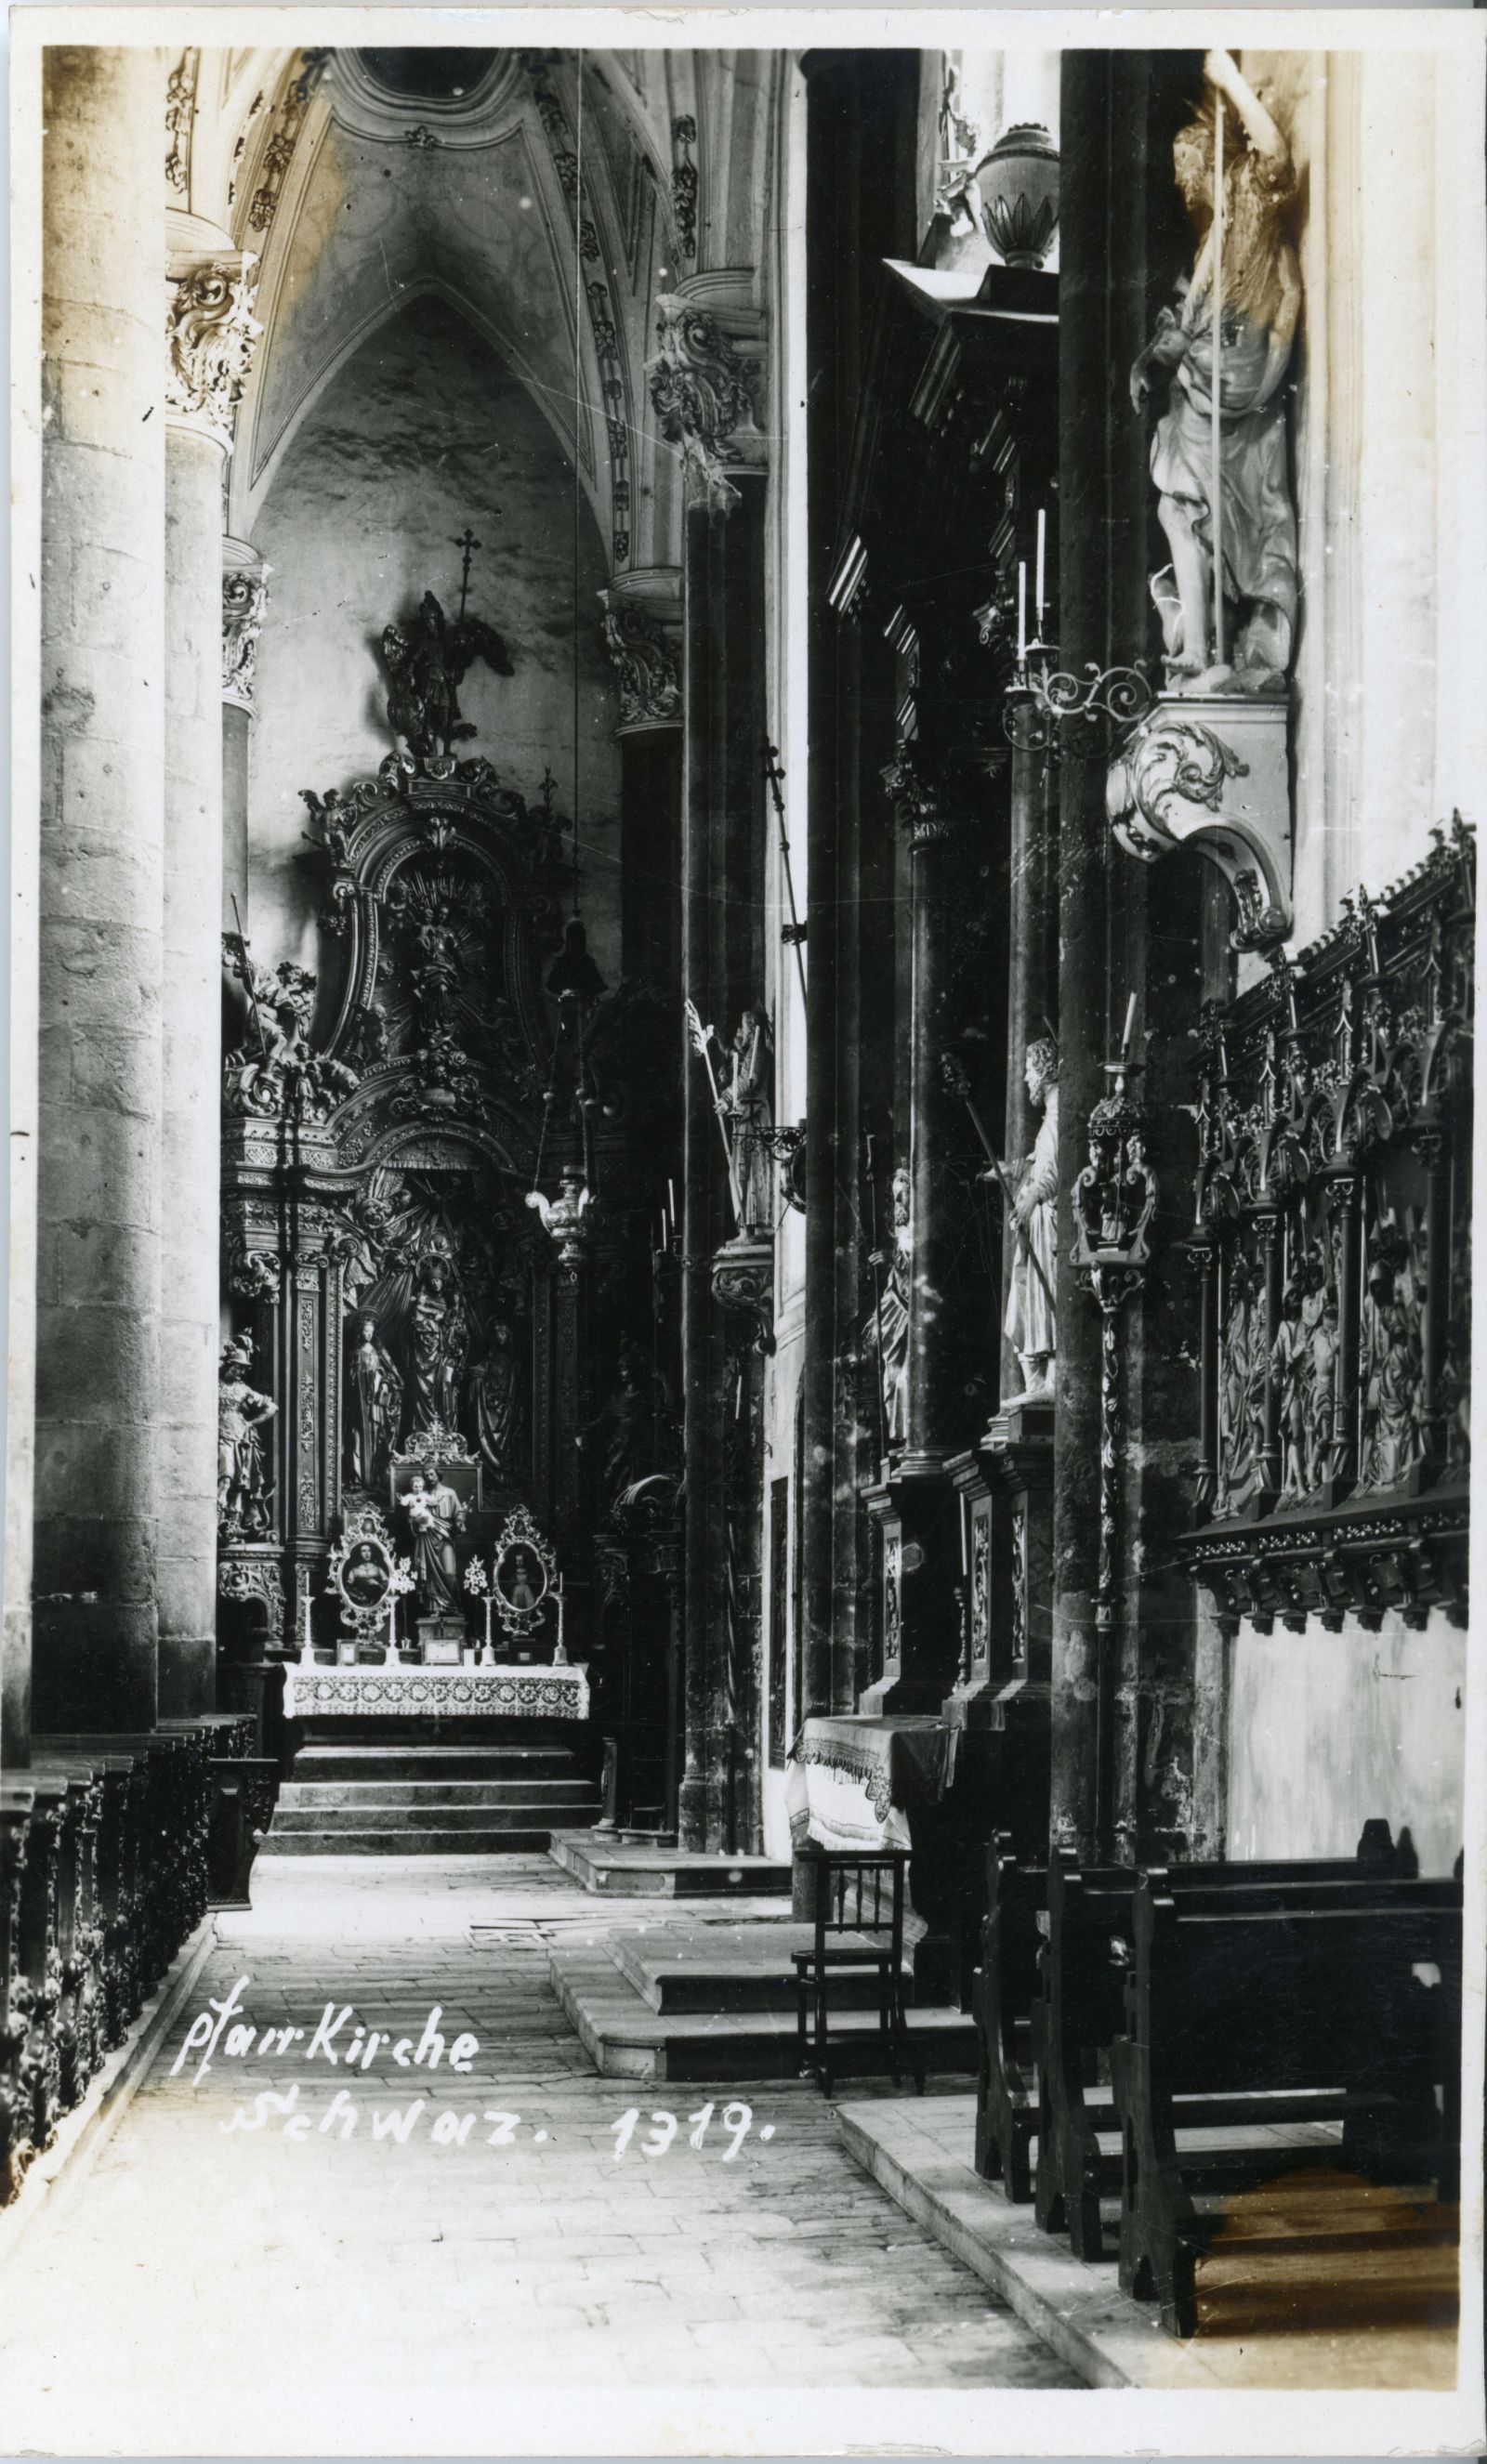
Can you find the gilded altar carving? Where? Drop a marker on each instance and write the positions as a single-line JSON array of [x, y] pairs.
[[180, 112], [210, 332], [277, 1072], [683, 181], [1333, 1231]]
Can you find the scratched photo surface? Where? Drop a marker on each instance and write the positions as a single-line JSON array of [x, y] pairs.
[[740, 1713]]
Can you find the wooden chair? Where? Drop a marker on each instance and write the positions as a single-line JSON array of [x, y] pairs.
[[858, 1917]]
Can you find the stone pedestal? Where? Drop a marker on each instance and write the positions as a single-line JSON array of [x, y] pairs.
[[915, 1510], [101, 1187]]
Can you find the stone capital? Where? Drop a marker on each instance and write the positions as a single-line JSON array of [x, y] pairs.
[[244, 600], [210, 331], [647, 659], [705, 394]]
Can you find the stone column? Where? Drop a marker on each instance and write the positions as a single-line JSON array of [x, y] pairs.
[[703, 392], [244, 599], [921, 1493], [642, 618], [99, 1182], [1104, 613], [210, 336]]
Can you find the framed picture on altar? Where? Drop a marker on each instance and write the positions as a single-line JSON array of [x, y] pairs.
[[463, 1478]]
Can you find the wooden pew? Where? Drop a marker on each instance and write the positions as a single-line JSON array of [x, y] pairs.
[[1079, 2011], [1255, 2005], [1003, 1992]]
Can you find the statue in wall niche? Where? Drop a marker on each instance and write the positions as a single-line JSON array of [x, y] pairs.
[[438, 1342], [1259, 288], [242, 1503], [1029, 1326], [749, 1108], [435, 1517], [377, 1405], [887, 1330], [1391, 1361], [435, 975], [496, 1402]]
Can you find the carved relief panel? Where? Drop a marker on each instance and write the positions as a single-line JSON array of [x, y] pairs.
[[1332, 1234]]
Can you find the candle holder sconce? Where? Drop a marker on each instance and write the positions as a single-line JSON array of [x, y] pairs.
[[1106, 702]]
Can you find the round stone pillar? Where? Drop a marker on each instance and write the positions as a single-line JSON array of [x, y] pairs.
[[209, 335], [244, 597], [99, 1181]]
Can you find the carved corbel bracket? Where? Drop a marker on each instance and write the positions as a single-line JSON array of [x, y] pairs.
[[647, 660], [742, 1278], [1212, 771]]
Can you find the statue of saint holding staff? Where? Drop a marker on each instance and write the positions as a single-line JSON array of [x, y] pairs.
[[1222, 468]]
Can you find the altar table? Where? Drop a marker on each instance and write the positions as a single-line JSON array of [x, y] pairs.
[[853, 1781], [435, 1693]]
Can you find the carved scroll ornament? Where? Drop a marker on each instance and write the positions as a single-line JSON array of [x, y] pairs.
[[647, 664], [244, 599], [1224, 789], [210, 331], [704, 397]]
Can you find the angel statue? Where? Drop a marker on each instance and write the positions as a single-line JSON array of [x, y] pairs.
[[426, 664], [376, 1405], [1259, 288], [747, 1108]]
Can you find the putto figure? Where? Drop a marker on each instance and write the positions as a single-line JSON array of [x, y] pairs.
[[1029, 1326], [1259, 288]]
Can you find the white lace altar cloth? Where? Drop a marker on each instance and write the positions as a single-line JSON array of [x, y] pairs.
[[435, 1693]]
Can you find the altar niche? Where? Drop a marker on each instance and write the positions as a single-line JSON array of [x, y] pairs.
[[392, 1298]]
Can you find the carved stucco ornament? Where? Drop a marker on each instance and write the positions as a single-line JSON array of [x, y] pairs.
[[244, 599], [1212, 772], [703, 396], [210, 331], [646, 664]]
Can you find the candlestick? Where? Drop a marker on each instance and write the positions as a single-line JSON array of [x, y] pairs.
[[1022, 615], [391, 1625], [671, 1204], [1042, 544], [560, 1657], [964, 1548], [307, 1646], [1130, 1022]]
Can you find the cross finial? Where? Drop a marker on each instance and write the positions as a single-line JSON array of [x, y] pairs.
[[469, 543]]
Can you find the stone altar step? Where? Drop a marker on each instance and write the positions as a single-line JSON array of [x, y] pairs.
[[725, 1967], [620, 1870], [557, 1791], [316, 1760], [345, 1843], [626, 2037], [390, 1800], [484, 1813]]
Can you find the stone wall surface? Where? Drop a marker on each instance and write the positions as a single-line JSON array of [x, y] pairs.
[[1326, 1730], [421, 433]]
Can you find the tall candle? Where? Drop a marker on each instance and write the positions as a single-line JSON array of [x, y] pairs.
[[1130, 1022], [1022, 614], [671, 1204], [307, 1634], [965, 1553], [1042, 545]]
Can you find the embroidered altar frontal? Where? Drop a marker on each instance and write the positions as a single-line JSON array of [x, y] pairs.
[[437, 1693]]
